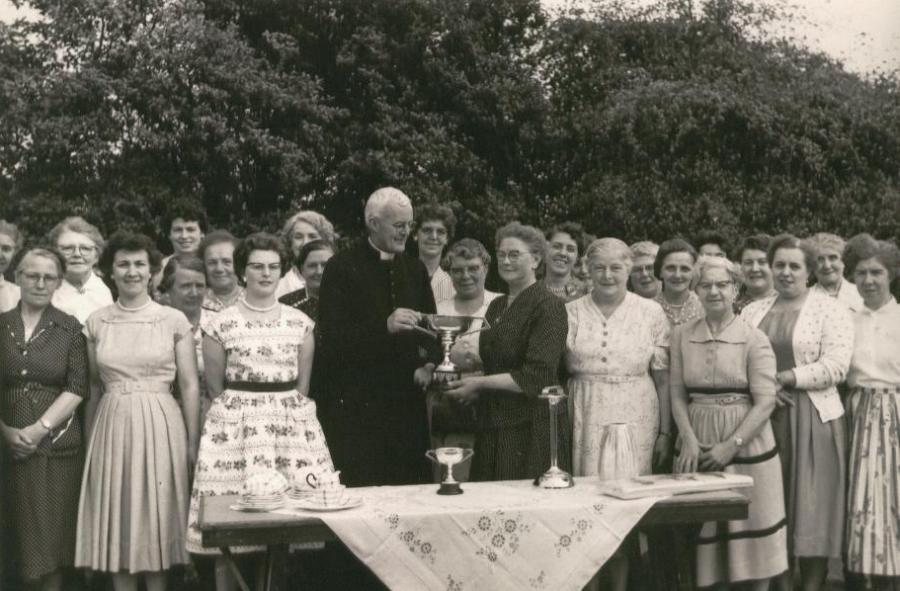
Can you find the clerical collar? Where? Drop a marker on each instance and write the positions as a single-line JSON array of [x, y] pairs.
[[383, 255]]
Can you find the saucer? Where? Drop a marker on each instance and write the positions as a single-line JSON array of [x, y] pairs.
[[257, 507], [346, 503]]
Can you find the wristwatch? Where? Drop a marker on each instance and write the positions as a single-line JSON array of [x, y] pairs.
[[738, 442]]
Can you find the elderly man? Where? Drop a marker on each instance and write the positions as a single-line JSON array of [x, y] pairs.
[[371, 299]]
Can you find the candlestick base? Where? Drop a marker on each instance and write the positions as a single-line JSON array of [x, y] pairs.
[[555, 478]]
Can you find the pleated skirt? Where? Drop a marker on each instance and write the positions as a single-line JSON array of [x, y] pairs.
[[873, 507], [754, 548], [246, 432], [134, 495]]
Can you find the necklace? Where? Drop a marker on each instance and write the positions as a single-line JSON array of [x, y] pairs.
[[243, 300], [136, 308]]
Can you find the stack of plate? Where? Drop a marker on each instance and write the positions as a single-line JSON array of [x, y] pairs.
[[261, 502], [299, 495]]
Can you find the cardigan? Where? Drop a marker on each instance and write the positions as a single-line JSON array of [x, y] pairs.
[[823, 347]]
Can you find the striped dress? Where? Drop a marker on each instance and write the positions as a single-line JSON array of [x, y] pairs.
[[527, 339], [723, 375]]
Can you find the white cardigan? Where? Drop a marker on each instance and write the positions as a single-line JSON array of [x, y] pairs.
[[823, 347]]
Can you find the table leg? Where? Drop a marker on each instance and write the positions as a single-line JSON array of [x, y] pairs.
[[271, 575], [229, 559]]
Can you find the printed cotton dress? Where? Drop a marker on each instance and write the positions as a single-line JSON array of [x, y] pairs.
[[609, 361], [260, 421]]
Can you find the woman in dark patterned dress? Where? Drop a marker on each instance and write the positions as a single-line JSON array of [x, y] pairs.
[[522, 352], [43, 378]]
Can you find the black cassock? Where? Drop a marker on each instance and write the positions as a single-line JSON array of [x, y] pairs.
[[372, 412]]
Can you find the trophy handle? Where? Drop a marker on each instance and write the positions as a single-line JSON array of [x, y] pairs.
[[484, 326], [430, 455], [467, 453]]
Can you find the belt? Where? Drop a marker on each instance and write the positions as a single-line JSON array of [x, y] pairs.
[[261, 386], [877, 390], [608, 379], [722, 399], [136, 386]]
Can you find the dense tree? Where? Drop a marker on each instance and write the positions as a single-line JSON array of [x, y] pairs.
[[640, 124]]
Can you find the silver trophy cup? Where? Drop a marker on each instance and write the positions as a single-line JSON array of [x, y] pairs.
[[449, 457], [448, 329]]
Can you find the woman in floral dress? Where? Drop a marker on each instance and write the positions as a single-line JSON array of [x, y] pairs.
[[258, 354]]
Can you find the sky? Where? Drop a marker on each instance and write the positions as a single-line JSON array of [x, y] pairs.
[[863, 34]]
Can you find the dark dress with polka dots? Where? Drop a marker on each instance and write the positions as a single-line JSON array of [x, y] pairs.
[[526, 339], [41, 492]]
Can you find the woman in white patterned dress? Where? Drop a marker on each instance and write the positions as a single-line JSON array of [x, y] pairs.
[[617, 355], [618, 360], [258, 355]]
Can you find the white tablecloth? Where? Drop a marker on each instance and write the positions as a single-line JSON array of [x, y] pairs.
[[495, 536]]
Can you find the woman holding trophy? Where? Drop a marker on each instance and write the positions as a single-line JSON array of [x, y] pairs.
[[452, 423], [521, 353]]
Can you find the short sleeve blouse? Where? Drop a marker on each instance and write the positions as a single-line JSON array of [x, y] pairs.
[[261, 351], [137, 345]]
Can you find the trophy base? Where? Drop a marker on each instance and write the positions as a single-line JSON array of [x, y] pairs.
[[442, 377], [450, 488], [555, 478]]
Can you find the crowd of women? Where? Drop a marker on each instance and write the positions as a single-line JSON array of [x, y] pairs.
[[132, 385]]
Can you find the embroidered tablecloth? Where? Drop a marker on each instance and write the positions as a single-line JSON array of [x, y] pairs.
[[495, 536]]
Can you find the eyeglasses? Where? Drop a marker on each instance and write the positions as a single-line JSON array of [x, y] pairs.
[[639, 269], [71, 248], [35, 278], [512, 256], [719, 285]]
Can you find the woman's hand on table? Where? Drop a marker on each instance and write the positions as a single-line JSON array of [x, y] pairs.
[[464, 390], [662, 450], [716, 457], [689, 457]]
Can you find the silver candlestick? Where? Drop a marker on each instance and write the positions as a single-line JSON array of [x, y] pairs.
[[554, 477]]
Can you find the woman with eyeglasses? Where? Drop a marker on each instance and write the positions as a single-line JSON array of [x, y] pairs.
[[81, 292], [812, 336], [43, 379], [642, 280], [11, 240], [723, 392], [134, 494], [258, 357], [521, 353]]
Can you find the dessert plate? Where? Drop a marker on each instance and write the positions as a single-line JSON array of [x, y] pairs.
[[346, 503]]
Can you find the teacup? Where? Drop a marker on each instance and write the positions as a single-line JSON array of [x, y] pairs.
[[330, 496]]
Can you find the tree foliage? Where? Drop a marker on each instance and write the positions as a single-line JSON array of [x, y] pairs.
[[639, 124]]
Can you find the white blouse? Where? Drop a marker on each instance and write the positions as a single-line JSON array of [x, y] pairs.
[[876, 353]]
